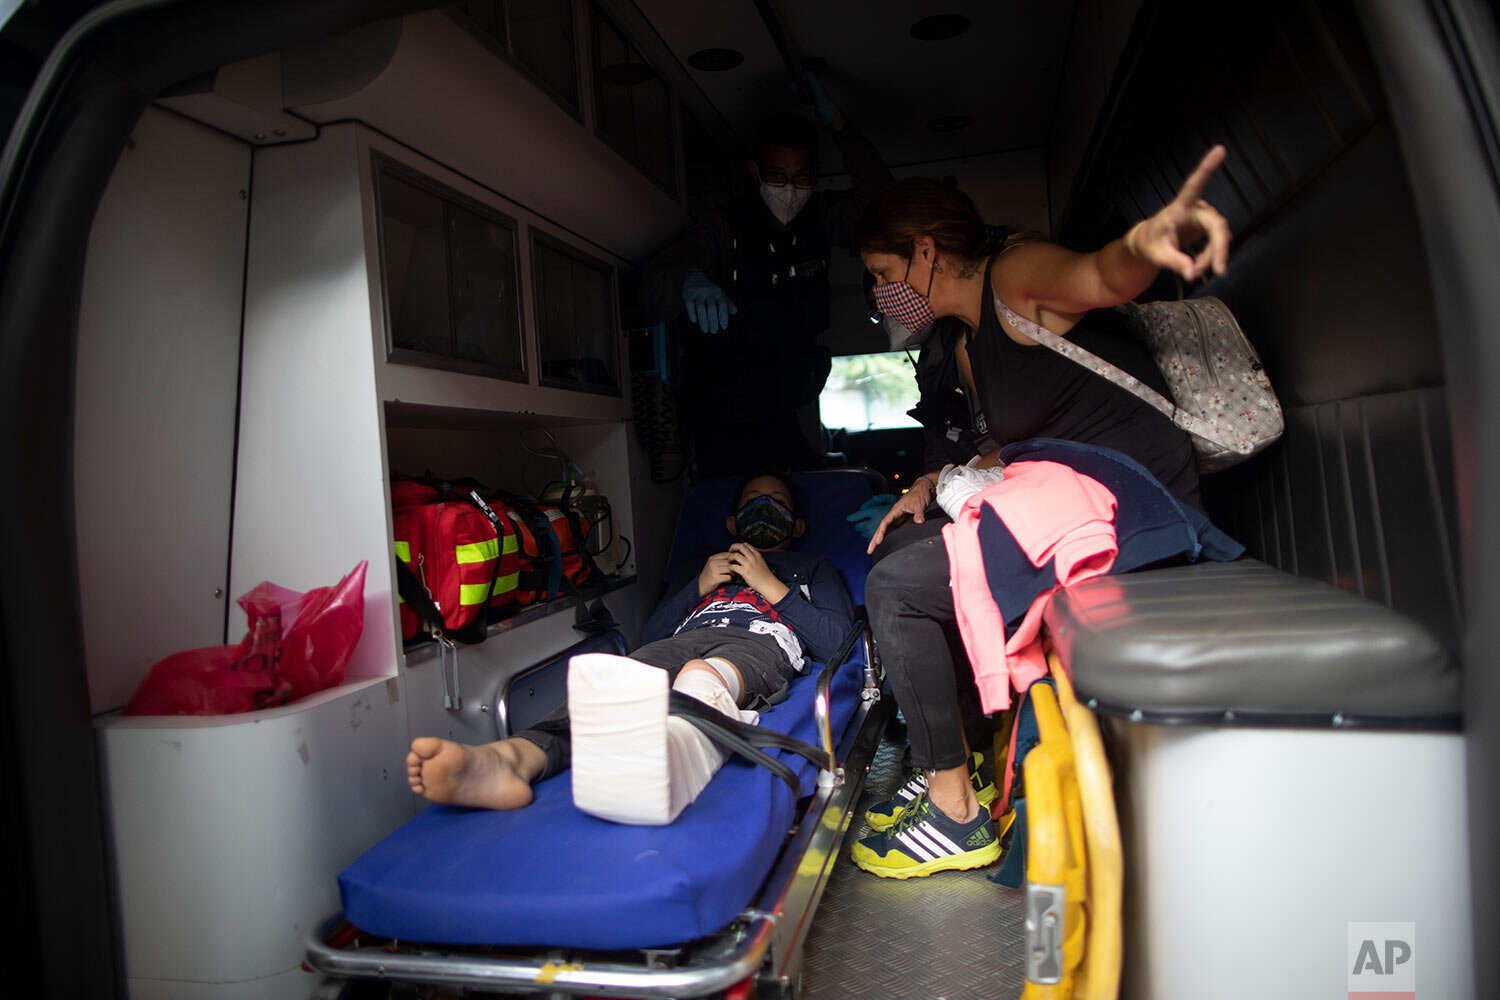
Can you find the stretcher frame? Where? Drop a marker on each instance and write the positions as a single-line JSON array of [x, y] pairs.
[[764, 942]]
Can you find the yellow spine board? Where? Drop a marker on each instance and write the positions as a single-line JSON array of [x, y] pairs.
[[1099, 977], [1055, 850]]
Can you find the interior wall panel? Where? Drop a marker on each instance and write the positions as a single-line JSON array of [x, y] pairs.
[[158, 360], [1327, 278]]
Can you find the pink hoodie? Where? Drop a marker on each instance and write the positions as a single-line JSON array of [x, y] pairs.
[[1053, 512]]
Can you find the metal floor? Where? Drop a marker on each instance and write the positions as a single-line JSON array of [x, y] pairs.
[[949, 936]]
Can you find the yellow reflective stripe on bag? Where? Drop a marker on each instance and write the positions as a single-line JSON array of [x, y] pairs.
[[478, 593], [484, 551], [473, 593], [476, 552], [403, 552]]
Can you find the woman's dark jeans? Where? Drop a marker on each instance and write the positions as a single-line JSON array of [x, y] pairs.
[[911, 614]]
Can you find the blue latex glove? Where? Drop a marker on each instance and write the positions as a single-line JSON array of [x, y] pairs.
[[822, 103], [870, 514], [707, 305]]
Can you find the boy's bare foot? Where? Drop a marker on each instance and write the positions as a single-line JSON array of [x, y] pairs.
[[488, 776]]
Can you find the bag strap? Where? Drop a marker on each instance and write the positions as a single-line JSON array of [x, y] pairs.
[[548, 545], [1094, 363], [590, 616], [1062, 345], [415, 594]]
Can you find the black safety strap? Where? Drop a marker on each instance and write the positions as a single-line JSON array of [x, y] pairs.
[[738, 736], [746, 740]]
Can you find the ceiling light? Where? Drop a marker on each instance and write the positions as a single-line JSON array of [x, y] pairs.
[[715, 60], [940, 26]]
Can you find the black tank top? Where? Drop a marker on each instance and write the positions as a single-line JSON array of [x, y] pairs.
[[1031, 392]]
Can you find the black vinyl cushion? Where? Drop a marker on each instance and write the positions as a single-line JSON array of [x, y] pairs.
[[1242, 642]]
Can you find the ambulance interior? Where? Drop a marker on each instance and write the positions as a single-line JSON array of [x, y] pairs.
[[257, 258]]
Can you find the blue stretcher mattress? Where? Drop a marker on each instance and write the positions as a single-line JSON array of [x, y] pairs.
[[550, 875]]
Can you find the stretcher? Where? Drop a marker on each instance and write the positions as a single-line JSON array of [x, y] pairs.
[[551, 901]]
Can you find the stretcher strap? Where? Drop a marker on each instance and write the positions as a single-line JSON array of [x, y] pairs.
[[747, 740]]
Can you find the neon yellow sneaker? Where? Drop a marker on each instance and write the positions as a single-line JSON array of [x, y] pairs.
[[924, 841], [881, 815]]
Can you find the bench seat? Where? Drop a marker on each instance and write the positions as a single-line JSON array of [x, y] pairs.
[[1241, 642], [1281, 752]]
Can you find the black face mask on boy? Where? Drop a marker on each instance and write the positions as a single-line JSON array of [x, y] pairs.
[[764, 522]]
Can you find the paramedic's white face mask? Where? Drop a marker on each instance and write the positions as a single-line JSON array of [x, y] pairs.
[[784, 202]]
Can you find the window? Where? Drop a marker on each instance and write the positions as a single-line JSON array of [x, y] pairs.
[[575, 317], [869, 392], [449, 273], [537, 35], [632, 105]]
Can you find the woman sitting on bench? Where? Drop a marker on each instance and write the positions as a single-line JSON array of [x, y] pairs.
[[732, 637], [920, 234]]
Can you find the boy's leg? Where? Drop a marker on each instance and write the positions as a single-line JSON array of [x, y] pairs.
[[633, 762]]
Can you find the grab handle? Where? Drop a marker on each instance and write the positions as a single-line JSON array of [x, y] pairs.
[[823, 703]]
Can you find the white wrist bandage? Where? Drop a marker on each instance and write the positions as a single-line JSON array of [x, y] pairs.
[[959, 483]]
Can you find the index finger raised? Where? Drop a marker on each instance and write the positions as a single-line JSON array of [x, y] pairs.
[[1192, 188]]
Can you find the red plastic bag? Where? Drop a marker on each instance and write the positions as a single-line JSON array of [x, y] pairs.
[[296, 644]]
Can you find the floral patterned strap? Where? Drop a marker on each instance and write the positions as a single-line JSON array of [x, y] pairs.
[[1099, 366]]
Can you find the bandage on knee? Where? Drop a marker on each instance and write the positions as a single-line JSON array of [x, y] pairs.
[[726, 670], [632, 762]]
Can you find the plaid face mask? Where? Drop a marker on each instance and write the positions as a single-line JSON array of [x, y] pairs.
[[904, 304]]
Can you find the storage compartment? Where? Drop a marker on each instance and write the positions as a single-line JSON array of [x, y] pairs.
[[527, 456], [451, 278]]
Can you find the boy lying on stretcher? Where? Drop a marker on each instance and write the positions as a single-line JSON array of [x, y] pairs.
[[732, 638]]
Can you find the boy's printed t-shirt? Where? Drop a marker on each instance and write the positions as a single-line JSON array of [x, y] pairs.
[[736, 605], [816, 613]]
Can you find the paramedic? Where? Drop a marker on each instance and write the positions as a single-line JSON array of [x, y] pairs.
[[751, 280], [732, 637], [925, 244]]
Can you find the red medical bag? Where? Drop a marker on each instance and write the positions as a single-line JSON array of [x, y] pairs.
[[456, 555], [548, 568]]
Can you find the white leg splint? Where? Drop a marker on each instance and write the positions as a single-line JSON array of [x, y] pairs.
[[632, 762]]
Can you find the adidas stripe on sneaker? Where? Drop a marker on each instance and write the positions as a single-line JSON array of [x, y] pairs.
[[883, 814], [924, 840]]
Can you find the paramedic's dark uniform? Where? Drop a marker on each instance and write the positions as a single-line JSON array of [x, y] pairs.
[[742, 386], [816, 612]]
